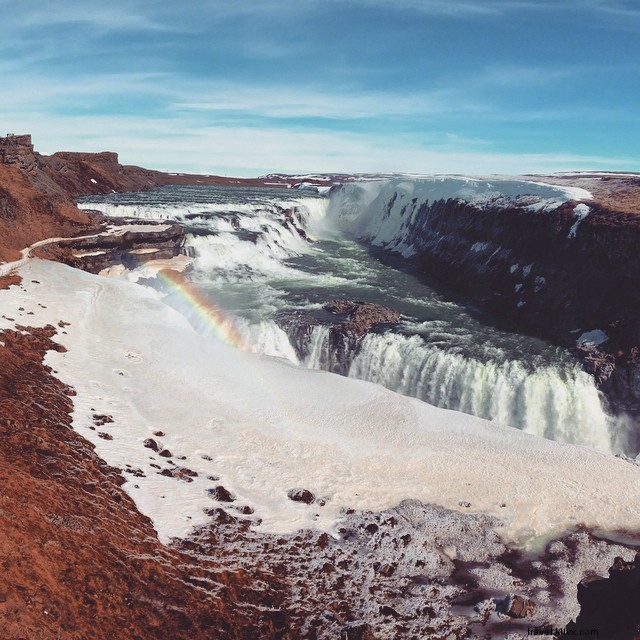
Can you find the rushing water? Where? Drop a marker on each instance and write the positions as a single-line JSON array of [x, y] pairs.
[[259, 253]]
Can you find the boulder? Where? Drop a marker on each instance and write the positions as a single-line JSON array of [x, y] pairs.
[[301, 495]]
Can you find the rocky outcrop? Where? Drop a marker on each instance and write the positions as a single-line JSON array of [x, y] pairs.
[[559, 273], [18, 151], [359, 317], [347, 321], [126, 242]]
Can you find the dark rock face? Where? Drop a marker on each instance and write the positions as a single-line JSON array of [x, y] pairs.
[[298, 325], [348, 321], [353, 320], [301, 495], [536, 271], [611, 605]]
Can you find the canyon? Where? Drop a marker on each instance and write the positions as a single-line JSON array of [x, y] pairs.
[[412, 571]]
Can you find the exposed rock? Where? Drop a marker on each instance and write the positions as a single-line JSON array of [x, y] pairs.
[[359, 316], [182, 473], [599, 364], [611, 605], [18, 150], [516, 607], [298, 325], [221, 494], [150, 443], [301, 495], [149, 240], [11, 280]]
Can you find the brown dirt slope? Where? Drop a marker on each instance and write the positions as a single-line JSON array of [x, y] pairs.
[[78, 561], [33, 208]]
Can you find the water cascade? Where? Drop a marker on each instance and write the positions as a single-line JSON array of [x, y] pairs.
[[261, 253]]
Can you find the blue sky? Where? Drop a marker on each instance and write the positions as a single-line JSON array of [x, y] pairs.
[[429, 86]]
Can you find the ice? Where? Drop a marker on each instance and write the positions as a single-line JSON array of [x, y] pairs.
[[264, 426], [581, 211]]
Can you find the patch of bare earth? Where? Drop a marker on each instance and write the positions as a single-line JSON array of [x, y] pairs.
[[77, 560]]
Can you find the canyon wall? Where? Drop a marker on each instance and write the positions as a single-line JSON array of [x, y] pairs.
[[567, 271]]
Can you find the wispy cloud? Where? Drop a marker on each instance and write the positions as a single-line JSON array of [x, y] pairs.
[[181, 144], [114, 16], [292, 85], [300, 102], [494, 8]]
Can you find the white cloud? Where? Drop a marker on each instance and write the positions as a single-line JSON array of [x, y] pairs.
[[183, 144], [112, 16], [300, 102]]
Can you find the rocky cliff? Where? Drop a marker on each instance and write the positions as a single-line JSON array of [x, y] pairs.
[[38, 192], [568, 272]]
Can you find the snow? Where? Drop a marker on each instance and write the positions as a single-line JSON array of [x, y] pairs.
[[570, 193], [595, 337], [88, 254], [144, 251], [264, 426], [581, 211], [148, 269], [121, 229]]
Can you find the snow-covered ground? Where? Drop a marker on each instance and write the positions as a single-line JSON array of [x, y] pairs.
[[260, 426]]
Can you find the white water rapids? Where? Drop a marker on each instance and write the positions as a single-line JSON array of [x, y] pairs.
[[261, 253]]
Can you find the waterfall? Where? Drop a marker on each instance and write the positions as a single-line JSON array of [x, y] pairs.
[[558, 402], [256, 257]]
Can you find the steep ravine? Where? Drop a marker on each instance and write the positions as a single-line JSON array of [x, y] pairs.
[[555, 273]]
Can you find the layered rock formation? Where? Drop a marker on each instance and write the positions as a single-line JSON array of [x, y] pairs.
[[123, 242], [560, 273], [348, 321]]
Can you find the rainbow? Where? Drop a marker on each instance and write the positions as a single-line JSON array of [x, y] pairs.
[[215, 317]]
